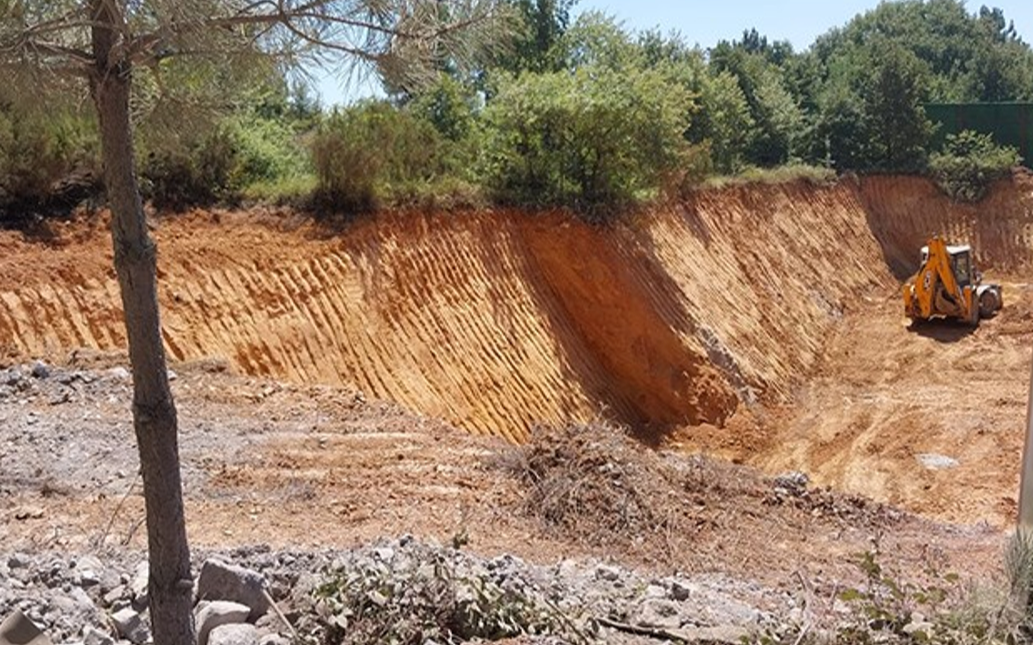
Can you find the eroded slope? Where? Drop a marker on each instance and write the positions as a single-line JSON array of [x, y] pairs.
[[760, 323]]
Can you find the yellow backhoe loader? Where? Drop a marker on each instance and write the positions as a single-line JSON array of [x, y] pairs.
[[948, 285]]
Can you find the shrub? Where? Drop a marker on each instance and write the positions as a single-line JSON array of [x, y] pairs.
[[593, 140], [38, 152], [267, 152], [178, 174], [374, 153], [969, 163], [243, 156]]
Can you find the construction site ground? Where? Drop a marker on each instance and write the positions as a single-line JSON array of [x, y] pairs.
[[337, 384]]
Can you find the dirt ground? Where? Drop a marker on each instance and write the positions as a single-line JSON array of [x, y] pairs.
[[304, 467], [760, 325]]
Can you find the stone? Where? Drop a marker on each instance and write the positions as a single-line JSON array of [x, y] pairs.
[[384, 553], [681, 590], [138, 584], [792, 483], [237, 634], [274, 639], [11, 377], [119, 373], [113, 596], [18, 561], [40, 370], [919, 627], [222, 581], [130, 626], [728, 634], [608, 573], [88, 578], [937, 462], [19, 628], [654, 591], [659, 613], [93, 636], [216, 613]]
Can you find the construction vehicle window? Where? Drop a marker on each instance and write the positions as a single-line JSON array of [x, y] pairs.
[[961, 268]]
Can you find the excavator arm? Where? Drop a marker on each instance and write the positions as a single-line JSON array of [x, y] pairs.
[[935, 291]]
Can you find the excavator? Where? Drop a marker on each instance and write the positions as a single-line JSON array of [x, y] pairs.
[[948, 285]]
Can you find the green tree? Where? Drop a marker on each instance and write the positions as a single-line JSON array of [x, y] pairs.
[[969, 57], [841, 137], [593, 140], [105, 45], [723, 122], [779, 121], [897, 127], [538, 45]]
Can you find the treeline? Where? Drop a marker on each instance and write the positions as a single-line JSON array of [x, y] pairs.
[[576, 113]]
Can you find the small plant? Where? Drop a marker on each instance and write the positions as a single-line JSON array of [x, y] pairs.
[[885, 609], [969, 164], [428, 594]]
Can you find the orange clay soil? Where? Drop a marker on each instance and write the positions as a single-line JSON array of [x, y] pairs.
[[756, 323]]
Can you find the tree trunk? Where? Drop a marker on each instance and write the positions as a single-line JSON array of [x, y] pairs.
[[154, 413]]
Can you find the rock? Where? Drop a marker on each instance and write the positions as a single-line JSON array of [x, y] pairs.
[[275, 639], [659, 613], [119, 373], [730, 634], [93, 636], [130, 626], [608, 573], [40, 370], [18, 561], [113, 596], [654, 591], [18, 628], [172, 375], [138, 584], [222, 581], [88, 578], [210, 615], [919, 627], [937, 462], [11, 377], [681, 590], [239, 634], [792, 483]]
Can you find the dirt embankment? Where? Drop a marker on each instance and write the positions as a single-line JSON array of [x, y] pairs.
[[759, 323], [493, 321]]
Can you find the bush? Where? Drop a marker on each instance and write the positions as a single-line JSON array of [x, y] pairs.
[[969, 163], [374, 154], [193, 172], [243, 156], [593, 140], [39, 152]]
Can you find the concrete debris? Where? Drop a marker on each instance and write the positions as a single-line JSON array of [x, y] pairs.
[[236, 634], [222, 581], [216, 613], [130, 625]]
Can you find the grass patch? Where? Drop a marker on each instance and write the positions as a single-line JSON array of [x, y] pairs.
[[787, 174]]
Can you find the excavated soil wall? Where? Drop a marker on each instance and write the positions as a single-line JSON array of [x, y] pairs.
[[497, 321]]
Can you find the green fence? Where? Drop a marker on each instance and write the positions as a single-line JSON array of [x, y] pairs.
[[1011, 124]]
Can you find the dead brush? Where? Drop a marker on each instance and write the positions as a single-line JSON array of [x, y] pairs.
[[597, 485]]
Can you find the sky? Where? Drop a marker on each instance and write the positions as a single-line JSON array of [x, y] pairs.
[[705, 22]]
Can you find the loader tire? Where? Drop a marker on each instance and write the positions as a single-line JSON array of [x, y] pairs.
[[989, 303]]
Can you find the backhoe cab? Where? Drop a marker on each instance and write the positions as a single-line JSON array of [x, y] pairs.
[[948, 285]]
